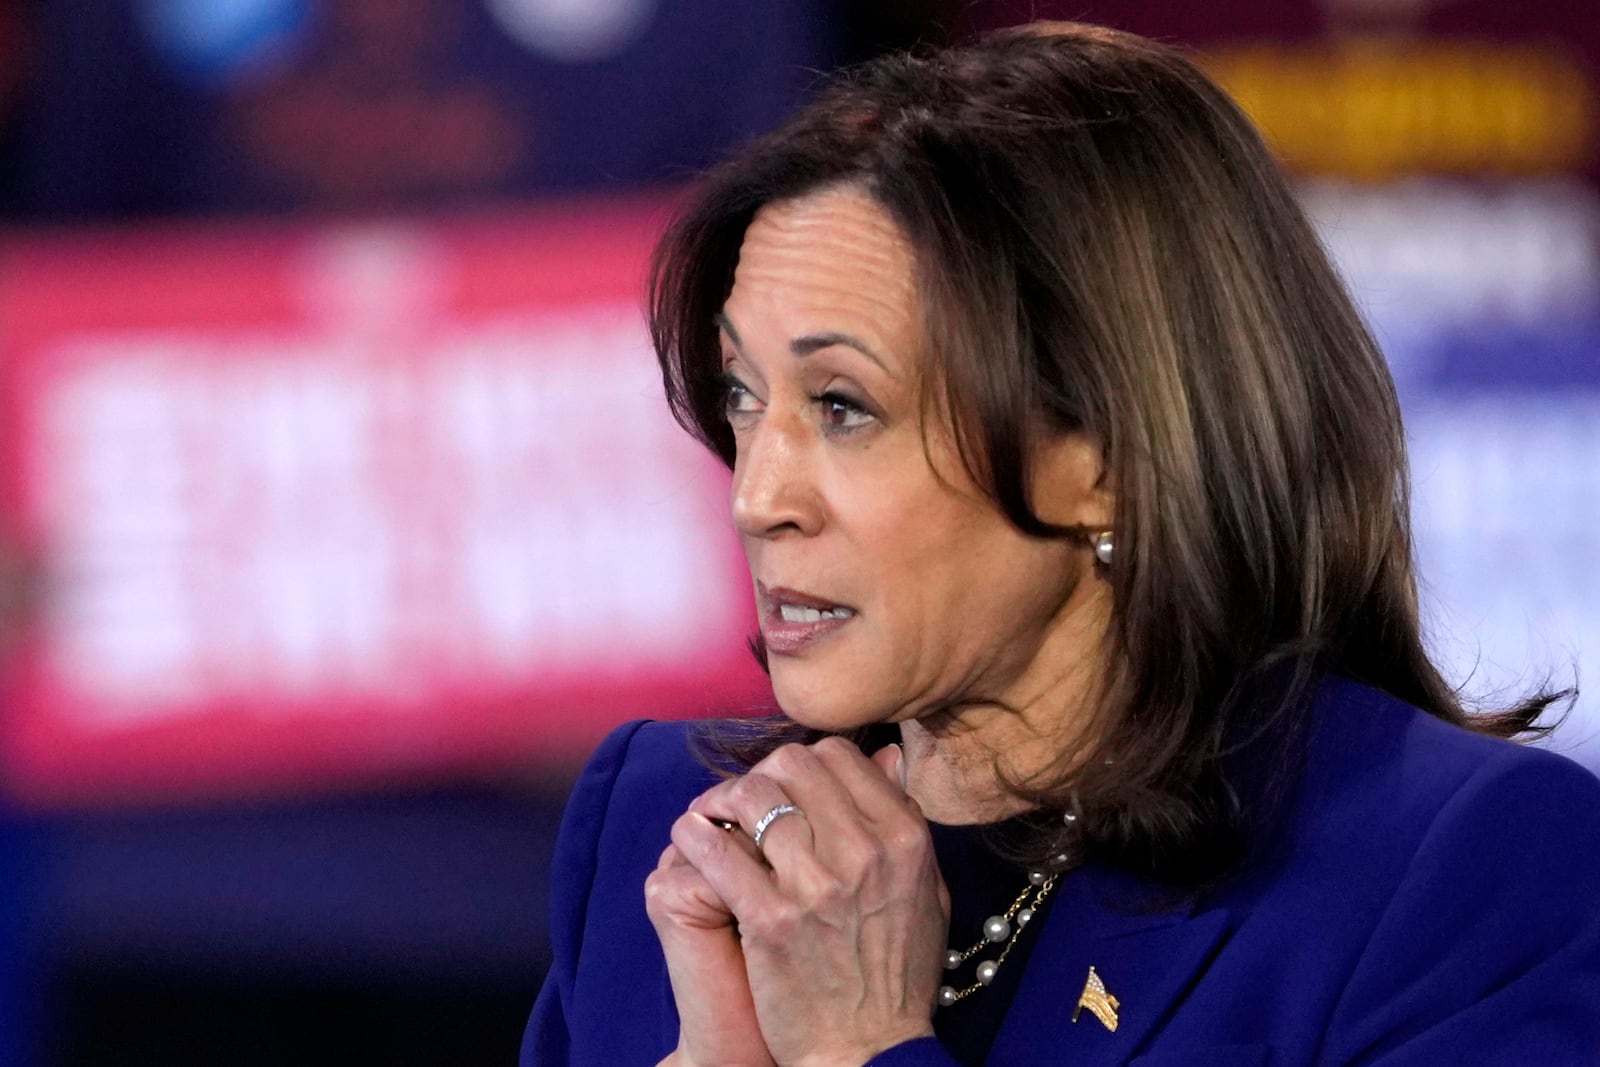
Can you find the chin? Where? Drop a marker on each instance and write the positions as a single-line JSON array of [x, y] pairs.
[[822, 706], [809, 709]]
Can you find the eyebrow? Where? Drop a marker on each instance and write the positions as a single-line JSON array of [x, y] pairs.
[[805, 345]]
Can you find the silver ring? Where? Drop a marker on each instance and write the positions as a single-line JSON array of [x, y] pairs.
[[771, 817]]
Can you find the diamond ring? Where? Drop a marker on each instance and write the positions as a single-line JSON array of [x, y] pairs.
[[771, 817]]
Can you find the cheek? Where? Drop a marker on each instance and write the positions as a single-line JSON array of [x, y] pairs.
[[918, 557], [944, 568], [996, 582]]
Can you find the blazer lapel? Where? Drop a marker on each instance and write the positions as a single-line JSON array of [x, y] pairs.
[[1145, 959]]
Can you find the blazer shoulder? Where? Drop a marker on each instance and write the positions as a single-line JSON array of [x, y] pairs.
[[658, 765], [1482, 862], [1389, 796], [617, 821], [640, 778], [642, 763], [1393, 765]]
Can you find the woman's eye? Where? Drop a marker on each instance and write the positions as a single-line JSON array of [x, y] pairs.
[[737, 399], [840, 414]]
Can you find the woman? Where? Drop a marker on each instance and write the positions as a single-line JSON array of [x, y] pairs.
[[1073, 493]]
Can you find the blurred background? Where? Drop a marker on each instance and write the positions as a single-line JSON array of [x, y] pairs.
[[340, 513]]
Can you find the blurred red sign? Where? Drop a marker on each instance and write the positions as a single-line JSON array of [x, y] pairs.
[[316, 505]]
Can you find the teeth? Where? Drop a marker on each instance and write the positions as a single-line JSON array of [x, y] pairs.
[[796, 613]]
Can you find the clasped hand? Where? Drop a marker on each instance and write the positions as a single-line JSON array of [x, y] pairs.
[[823, 947]]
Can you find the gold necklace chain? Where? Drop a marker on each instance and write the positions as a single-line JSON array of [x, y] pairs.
[[1006, 928]]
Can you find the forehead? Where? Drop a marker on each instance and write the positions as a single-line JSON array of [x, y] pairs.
[[831, 260]]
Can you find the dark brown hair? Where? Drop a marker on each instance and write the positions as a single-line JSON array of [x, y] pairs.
[[1105, 246]]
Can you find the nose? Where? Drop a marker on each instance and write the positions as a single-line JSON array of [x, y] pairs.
[[774, 485]]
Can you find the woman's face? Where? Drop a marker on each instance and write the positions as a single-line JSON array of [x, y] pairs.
[[887, 585]]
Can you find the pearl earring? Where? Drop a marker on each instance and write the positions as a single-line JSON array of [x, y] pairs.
[[1104, 547]]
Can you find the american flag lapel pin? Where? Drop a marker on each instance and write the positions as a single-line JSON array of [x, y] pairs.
[[1101, 1004]]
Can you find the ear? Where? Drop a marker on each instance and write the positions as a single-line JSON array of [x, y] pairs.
[[1071, 485]]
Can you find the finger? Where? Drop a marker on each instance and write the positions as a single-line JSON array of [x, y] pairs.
[[812, 786], [896, 819], [677, 896], [846, 839], [891, 760], [730, 827], [872, 783], [747, 801], [737, 877], [740, 839], [671, 857]]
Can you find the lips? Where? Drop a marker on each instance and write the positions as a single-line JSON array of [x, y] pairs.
[[792, 621]]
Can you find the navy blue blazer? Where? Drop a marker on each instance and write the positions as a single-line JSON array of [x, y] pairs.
[[1432, 897]]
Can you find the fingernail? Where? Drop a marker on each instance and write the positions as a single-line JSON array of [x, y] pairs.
[[900, 758]]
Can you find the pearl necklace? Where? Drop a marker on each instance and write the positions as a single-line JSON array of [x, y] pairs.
[[1006, 928]]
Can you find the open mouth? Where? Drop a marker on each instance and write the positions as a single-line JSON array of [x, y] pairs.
[[797, 613], [793, 620]]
